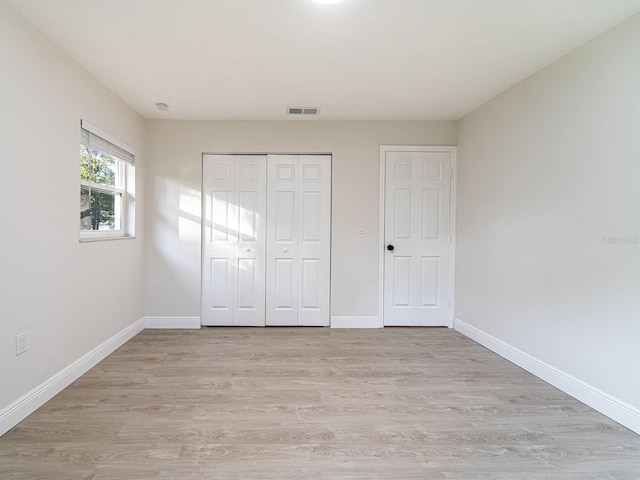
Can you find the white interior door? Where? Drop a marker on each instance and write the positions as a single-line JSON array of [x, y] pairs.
[[417, 234], [298, 239], [234, 233]]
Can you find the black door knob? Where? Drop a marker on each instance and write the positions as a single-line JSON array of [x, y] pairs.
[[391, 248]]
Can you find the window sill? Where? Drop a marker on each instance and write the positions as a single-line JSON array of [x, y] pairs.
[[105, 239]]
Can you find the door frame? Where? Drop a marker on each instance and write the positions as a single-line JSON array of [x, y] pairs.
[[381, 255]]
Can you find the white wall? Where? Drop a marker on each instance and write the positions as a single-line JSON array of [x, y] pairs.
[[68, 297], [547, 172], [174, 184]]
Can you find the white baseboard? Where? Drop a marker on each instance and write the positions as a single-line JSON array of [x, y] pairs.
[[356, 322], [172, 322], [604, 403], [13, 414]]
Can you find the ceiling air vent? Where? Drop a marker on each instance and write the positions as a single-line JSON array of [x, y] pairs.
[[303, 111]]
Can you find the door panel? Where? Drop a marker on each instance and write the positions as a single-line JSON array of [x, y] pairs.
[[250, 252], [221, 280], [234, 235], [284, 286], [282, 245], [298, 240], [401, 281], [218, 241], [310, 284], [429, 281], [285, 216], [222, 211], [314, 240], [247, 283], [430, 214], [248, 218], [417, 224], [311, 217], [402, 213]]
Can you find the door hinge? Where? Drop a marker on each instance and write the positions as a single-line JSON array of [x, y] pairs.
[[451, 173]]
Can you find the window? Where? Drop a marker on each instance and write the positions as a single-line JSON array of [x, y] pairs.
[[106, 171]]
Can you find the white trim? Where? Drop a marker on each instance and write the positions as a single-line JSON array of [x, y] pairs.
[[172, 322], [101, 234], [452, 231], [452, 254], [101, 239], [604, 403], [17, 411], [356, 322], [103, 188], [381, 207]]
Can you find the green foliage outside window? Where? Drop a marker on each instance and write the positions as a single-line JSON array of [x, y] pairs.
[[97, 207]]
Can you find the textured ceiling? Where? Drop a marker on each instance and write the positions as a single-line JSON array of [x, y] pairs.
[[360, 59]]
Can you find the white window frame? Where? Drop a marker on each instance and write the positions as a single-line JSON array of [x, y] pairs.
[[121, 187], [121, 181]]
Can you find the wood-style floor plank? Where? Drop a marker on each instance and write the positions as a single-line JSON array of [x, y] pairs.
[[285, 403]]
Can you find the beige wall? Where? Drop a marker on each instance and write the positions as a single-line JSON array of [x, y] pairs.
[[549, 173], [174, 184], [68, 297]]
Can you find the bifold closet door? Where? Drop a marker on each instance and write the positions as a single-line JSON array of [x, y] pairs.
[[298, 239], [234, 233]]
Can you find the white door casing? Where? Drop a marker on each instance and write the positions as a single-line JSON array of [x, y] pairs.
[[298, 240], [417, 277], [234, 233]]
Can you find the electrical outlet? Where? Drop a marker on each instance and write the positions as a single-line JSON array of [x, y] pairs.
[[21, 343]]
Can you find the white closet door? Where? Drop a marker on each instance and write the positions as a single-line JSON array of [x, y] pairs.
[[298, 239], [234, 234]]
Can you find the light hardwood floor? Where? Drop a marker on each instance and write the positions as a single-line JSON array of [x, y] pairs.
[[285, 403]]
